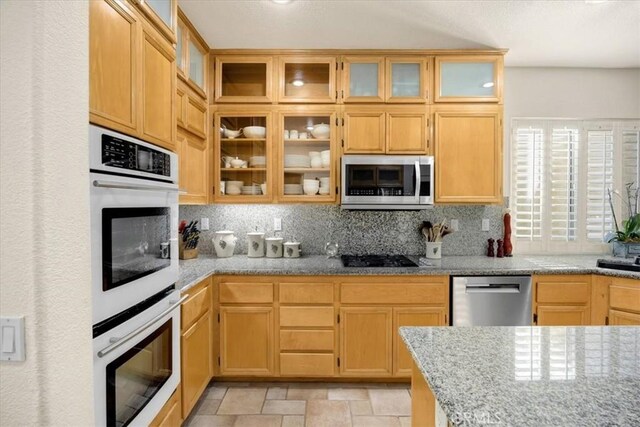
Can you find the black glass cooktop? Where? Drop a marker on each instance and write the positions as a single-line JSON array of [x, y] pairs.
[[377, 261]]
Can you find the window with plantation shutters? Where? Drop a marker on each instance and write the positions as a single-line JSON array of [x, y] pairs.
[[561, 171]]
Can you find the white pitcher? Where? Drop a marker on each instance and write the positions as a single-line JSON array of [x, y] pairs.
[[255, 244], [224, 242]]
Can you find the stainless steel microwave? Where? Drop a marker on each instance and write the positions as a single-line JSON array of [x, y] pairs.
[[387, 182]]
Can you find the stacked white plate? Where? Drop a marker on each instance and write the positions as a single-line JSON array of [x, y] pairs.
[[257, 161], [251, 190], [233, 188], [293, 189], [297, 161]]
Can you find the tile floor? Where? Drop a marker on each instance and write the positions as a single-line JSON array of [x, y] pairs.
[[303, 404]]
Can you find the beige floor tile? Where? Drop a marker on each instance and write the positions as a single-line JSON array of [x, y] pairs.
[[370, 421], [207, 406], [360, 407], [390, 402], [284, 407], [277, 393], [405, 386], [325, 413], [258, 421], [297, 393], [405, 421], [348, 394], [229, 384], [212, 421], [214, 392], [242, 401], [293, 421]]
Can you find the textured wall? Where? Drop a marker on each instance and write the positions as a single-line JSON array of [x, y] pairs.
[[357, 232], [44, 220]]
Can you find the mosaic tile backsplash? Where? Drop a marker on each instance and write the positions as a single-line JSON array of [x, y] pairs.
[[357, 232]]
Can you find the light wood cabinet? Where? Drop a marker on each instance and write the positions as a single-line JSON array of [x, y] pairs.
[[171, 413], [407, 132], [181, 99], [411, 316], [468, 154], [364, 131], [194, 170], [307, 79], [472, 78], [246, 341], [192, 57], [624, 301], [362, 79], [407, 79], [623, 318], [366, 341], [244, 79], [562, 300]]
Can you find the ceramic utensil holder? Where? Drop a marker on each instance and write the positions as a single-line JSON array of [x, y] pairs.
[[434, 250]]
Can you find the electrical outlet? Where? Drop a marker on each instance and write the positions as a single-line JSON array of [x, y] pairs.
[[485, 224], [277, 224], [204, 224], [455, 225]]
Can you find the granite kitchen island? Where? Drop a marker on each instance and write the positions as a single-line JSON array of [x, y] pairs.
[[525, 376]]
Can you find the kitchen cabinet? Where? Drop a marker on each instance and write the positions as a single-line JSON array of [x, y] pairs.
[[162, 13], [170, 414], [562, 300], [132, 80], [192, 57], [244, 79], [362, 79], [623, 318], [295, 163], [196, 344], [248, 179], [194, 170], [624, 302], [385, 129], [411, 316], [468, 154], [472, 78], [407, 79], [310, 79]]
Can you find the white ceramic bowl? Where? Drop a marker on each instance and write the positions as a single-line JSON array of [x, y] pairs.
[[237, 163], [310, 191], [321, 131], [314, 154], [232, 133], [254, 131], [257, 161], [326, 153], [311, 182]]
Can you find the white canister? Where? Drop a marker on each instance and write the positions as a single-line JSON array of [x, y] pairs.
[[434, 250], [274, 247], [292, 250], [224, 242], [255, 244], [316, 162], [293, 134]]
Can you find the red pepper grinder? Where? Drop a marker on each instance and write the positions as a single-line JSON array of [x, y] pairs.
[[500, 249], [490, 252], [508, 247]]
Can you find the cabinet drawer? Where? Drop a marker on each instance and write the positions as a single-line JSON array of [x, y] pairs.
[[306, 316], [393, 293], [306, 340], [198, 303], [625, 295], [311, 365], [306, 293], [570, 291], [246, 292]]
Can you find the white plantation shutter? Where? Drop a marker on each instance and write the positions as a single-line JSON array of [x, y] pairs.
[[560, 173]]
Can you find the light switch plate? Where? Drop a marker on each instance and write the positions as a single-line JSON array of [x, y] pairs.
[[455, 225], [12, 339], [485, 224], [204, 224], [277, 224]]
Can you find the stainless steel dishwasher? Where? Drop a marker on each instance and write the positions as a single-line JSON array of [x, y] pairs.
[[491, 301]]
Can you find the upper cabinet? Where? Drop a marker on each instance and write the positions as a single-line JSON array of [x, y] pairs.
[[244, 79], [407, 79], [163, 15], [468, 78], [192, 56], [362, 79], [307, 79]]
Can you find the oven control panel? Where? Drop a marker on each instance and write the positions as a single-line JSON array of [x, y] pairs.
[[123, 154]]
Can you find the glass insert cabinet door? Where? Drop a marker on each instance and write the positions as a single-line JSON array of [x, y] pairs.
[[242, 167], [244, 79], [362, 79], [407, 79], [468, 79], [196, 64], [163, 13], [307, 79], [308, 156]]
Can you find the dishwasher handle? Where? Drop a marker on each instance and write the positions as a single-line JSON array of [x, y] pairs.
[[492, 288]]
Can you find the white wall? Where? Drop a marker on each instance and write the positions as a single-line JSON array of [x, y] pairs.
[[586, 93], [44, 220]]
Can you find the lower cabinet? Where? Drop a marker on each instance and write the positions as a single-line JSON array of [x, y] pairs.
[[623, 318], [411, 316], [170, 414], [562, 300], [552, 315], [624, 302]]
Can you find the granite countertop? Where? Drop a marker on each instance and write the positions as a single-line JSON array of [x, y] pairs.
[[194, 270], [531, 376]]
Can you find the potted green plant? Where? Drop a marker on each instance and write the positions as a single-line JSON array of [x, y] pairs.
[[625, 240]]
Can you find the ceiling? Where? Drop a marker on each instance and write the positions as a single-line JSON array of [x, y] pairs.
[[537, 33]]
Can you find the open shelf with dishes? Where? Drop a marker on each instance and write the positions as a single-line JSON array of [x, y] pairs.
[[307, 171], [243, 157]]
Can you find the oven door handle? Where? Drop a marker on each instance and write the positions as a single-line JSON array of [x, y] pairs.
[[418, 181], [117, 342], [122, 186]]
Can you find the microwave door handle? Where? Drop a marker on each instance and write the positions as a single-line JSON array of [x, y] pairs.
[[122, 186], [418, 181], [117, 342]]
